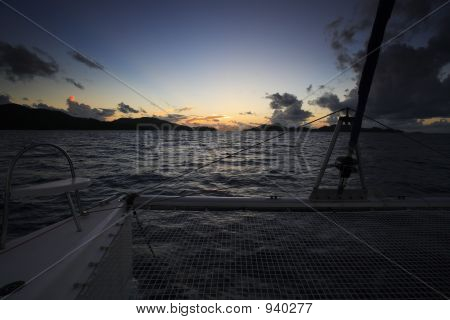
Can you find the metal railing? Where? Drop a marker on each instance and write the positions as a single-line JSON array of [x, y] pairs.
[[7, 194]]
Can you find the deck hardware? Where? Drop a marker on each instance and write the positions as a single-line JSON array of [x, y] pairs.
[[72, 209], [344, 164], [64, 186]]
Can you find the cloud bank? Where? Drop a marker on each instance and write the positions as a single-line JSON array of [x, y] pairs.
[[125, 108], [247, 113], [45, 107], [82, 110], [412, 81], [183, 109], [173, 117], [287, 110], [19, 63], [76, 84], [86, 61]]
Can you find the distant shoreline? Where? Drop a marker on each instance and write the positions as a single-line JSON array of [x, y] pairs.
[[19, 117]]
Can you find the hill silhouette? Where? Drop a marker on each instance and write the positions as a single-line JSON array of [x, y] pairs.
[[18, 117]]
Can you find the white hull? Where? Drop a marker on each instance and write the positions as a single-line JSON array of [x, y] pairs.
[[57, 262]]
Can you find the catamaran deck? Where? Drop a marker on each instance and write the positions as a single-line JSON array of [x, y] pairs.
[[292, 255]]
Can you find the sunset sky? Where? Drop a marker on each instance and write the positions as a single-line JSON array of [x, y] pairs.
[[221, 63]]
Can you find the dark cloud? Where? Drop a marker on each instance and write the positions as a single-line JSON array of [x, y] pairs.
[[407, 83], [25, 99], [331, 101], [240, 124], [5, 98], [349, 38], [19, 63], [410, 82], [287, 110], [343, 37], [46, 107], [336, 23], [195, 119], [309, 88], [125, 108], [247, 113], [279, 101], [183, 109], [328, 100], [76, 84], [82, 110], [43, 53], [407, 12], [85, 60], [174, 117]]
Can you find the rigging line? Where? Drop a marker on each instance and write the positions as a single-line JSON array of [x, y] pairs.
[[233, 154], [410, 138], [384, 44], [99, 66]]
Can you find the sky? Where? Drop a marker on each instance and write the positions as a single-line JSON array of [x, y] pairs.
[[226, 64]]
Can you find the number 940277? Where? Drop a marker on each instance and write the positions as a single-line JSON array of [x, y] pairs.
[[288, 307]]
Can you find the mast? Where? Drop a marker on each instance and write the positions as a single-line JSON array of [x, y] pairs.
[[347, 164], [373, 52]]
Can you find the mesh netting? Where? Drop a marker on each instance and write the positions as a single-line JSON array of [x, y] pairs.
[[110, 279], [292, 255]]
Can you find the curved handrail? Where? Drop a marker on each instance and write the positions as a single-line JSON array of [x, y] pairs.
[[7, 194]]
